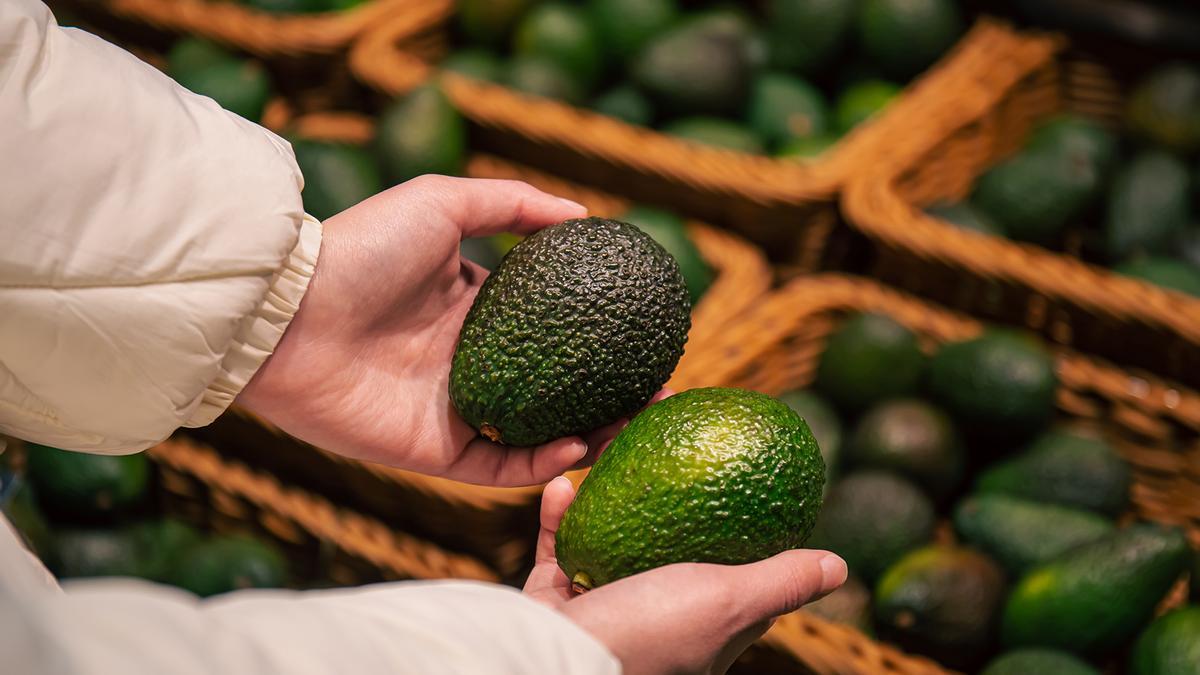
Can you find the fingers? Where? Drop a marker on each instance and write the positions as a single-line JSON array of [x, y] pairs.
[[483, 206], [784, 583], [488, 463], [556, 497]]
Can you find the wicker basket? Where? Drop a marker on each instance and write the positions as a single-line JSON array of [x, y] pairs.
[[775, 348], [786, 206], [1072, 303]]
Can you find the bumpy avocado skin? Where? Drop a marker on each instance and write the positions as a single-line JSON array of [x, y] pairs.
[[708, 475], [579, 326]]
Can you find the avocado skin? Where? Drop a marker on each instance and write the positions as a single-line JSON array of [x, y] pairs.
[[1148, 205], [1095, 597], [941, 601], [670, 232], [1165, 107], [79, 487], [710, 475], [625, 103], [1171, 274], [904, 37], [1038, 662], [479, 64], [850, 604], [228, 563], [700, 67], [1064, 467], [868, 359], [1021, 534], [717, 132], [822, 420], [913, 439], [871, 519], [1036, 193], [336, 176], [420, 133], [1170, 646], [580, 325], [804, 35]]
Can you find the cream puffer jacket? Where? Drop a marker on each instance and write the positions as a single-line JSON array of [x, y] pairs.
[[153, 249]]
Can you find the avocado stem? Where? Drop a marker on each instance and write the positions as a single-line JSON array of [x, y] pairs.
[[581, 582], [491, 432]]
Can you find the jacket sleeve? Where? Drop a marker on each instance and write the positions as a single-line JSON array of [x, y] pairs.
[[153, 247]]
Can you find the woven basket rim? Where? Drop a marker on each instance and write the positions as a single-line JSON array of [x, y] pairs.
[[379, 61]]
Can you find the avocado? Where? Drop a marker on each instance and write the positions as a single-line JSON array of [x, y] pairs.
[[717, 132], [941, 601], [1036, 193], [488, 22], [965, 216], [561, 34], [700, 67], [871, 519], [79, 553], [850, 604], [336, 176], [420, 133], [1021, 534], [862, 100], [904, 37], [999, 383], [822, 420], [805, 35], [79, 487], [241, 87], [625, 26], [1078, 138], [193, 54], [22, 510], [482, 252], [1165, 107], [1065, 467], [1189, 243], [868, 359], [1039, 662], [542, 77], [708, 475], [160, 544], [1147, 205], [625, 103], [479, 64], [1173, 274], [1095, 597], [670, 232], [1170, 646], [912, 438], [783, 107], [580, 325], [806, 149], [226, 563], [289, 6]]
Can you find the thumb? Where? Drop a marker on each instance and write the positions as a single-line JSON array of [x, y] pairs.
[[486, 206], [785, 582]]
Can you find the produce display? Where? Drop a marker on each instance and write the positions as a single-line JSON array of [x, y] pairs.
[[973, 525], [1128, 201], [786, 81], [237, 84]]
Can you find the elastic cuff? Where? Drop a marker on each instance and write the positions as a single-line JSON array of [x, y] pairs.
[[263, 329]]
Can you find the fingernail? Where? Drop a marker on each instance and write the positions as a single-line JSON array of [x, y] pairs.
[[578, 451], [833, 573], [575, 205]]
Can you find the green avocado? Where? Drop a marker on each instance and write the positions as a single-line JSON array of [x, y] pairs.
[[708, 475], [476, 63], [561, 34], [805, 35], [850, 604], [542, 77], [1077, 138], [911, 438], [1036, 193], [1095, 597], [868, 359], [290, 6], [1070, 468], [999, 383], [862, 100], [625, 103], [1040, 662], [700, 67], [965, 216], [625, 26], [806, 149], [80, 487], [82, 553], [670, 232], [193, 54], [1148, 205], [1170, 646], [420, 133], [783, 108], [160, 544], [489, 22], [22, 510], [1165, 107], [228, 563], [941, 601], [336, 176], [717, 132], [579, 326], [904, 37], [823, 420], [1189, 243], [1021, 534], [871, 519], [1166, 272], [241, 87]]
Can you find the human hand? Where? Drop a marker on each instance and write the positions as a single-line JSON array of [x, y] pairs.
[[688, 618], [363, 368]]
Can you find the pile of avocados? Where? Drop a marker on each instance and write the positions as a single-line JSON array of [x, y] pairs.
[[783, 77], [978, 531], [93, 516], [1128, 201]]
